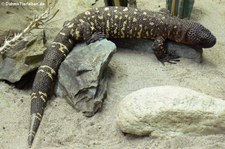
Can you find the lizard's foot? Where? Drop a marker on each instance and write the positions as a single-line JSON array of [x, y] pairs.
[[96, 36], [171, 58]]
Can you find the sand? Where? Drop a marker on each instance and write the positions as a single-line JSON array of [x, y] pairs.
[[62, 127]]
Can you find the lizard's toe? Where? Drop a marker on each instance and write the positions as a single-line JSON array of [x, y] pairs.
[[171, 58]]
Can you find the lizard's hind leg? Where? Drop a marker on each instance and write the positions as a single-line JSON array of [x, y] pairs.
[[91, 35], [96, 36]]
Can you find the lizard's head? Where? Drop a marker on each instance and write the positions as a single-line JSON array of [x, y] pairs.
[[198, 35]]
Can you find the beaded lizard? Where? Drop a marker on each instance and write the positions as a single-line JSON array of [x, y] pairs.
[[112, 22]]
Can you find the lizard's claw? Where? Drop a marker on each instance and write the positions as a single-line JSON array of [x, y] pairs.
[[171, 58]]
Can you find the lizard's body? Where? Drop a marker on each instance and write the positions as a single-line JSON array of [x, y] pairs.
[[113, 22]]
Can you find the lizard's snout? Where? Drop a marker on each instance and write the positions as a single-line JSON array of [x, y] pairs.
[[211, 42]]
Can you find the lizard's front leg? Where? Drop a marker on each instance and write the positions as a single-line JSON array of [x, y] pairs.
[[161, 52]]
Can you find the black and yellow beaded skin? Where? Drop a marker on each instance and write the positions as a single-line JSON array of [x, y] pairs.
[[112, 22]]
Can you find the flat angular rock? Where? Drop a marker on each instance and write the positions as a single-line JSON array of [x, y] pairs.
[[23, 58], [180, 50], [168, 111], [82, 77]]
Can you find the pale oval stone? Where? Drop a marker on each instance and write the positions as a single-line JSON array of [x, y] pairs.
[[168, 111]]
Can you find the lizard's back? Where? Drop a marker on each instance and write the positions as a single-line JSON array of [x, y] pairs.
[[124, 22]]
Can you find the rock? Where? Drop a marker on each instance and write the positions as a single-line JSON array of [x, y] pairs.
[[21, 59], [146, 45], [82, 79], [90, 2], [168, 111]]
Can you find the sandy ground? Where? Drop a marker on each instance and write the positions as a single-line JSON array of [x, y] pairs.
[[62, 127]]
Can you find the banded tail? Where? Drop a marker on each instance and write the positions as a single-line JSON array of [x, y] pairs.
[[45, 77]]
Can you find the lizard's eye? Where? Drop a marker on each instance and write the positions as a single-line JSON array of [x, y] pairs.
[[193, 35]]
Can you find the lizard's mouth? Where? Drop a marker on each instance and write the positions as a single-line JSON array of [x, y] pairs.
[[210, 42]]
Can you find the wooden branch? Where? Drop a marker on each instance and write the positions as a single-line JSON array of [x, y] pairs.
[[35, 24]]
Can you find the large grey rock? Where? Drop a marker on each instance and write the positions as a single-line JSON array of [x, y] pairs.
[[146, 45], [24, 57], [82, 76], [168, 111]]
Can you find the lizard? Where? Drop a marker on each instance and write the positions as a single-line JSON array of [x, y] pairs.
[[112, 22]]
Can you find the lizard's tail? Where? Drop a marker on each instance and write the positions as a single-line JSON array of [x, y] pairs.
[[37, 109], [45, 77]]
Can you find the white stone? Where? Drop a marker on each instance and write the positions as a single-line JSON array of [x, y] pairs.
[[168, 111]]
